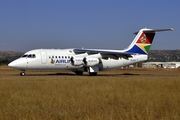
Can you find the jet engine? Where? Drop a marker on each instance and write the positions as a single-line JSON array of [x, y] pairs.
[[76, 61], [88, 62]]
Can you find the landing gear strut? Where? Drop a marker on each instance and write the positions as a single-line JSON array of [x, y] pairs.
[[22, 73], [93, 70]]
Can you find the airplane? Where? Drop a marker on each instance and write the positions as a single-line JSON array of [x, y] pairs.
[[88, 60]]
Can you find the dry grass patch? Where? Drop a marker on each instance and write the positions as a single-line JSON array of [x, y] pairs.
[[139, 96]]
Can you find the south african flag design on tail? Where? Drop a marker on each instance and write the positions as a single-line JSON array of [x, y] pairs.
[[143, 40]]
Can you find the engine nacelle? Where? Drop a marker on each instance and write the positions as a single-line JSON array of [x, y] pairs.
[[88, 62], [77, 61]]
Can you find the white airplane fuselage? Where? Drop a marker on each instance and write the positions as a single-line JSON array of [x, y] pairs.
[[88, 60], [59, 59]]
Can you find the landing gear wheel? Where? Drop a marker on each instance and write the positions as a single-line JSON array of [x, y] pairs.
[[22, 73]]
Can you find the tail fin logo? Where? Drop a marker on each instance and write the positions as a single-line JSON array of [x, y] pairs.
[[144, 42], [143, 39]]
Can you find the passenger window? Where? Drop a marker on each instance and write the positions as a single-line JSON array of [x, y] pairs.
[[62, 56], [65, 56], [56, 56], [52, 56], [59, 57]]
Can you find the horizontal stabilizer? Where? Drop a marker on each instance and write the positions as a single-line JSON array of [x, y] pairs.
[[155, 30]]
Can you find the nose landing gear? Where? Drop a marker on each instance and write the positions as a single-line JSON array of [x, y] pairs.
[[22, 73]]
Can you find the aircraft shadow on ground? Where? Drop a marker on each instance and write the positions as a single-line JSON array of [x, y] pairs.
[[69, 74], [72, 74], [98, 75]]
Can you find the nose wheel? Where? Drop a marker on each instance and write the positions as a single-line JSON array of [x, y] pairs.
[[22, 73]]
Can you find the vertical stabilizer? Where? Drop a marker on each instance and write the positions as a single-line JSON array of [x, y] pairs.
[[143, 40]]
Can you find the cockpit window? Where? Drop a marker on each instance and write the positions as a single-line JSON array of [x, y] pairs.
[[25, 55], [34, 56], [31, 56]]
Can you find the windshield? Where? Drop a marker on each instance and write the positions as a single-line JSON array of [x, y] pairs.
[[25, 55], [29, 56]]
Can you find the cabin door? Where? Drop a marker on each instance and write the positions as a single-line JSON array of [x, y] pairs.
[[43, 57]]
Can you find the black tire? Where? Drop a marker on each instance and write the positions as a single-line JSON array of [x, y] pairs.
[[22, 73]]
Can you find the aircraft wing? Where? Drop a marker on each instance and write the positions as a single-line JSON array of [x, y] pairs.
[[105, 53]]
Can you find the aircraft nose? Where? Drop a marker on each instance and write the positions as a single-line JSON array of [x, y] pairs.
[[12, 64], [18, 64]]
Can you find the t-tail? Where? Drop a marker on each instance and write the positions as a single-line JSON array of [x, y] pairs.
[[143, 40]]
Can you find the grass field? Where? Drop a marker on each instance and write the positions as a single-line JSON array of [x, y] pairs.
[[112, 95]]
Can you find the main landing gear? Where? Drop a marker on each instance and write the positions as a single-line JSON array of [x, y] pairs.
[[22, 73]]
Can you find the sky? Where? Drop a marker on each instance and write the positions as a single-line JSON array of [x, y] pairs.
[[104, 24]]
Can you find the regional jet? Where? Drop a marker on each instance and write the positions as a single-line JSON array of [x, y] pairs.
[[88, 60]]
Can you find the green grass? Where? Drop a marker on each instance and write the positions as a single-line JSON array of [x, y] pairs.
[[148, 94]]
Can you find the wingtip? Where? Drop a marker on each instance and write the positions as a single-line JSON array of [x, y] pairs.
[[172, 29]]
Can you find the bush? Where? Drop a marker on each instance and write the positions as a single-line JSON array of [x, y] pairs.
[[4, 62]]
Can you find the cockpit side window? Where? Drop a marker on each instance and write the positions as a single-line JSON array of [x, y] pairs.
[[33, 55]]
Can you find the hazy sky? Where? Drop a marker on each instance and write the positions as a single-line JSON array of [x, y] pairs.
[[31, 24]]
